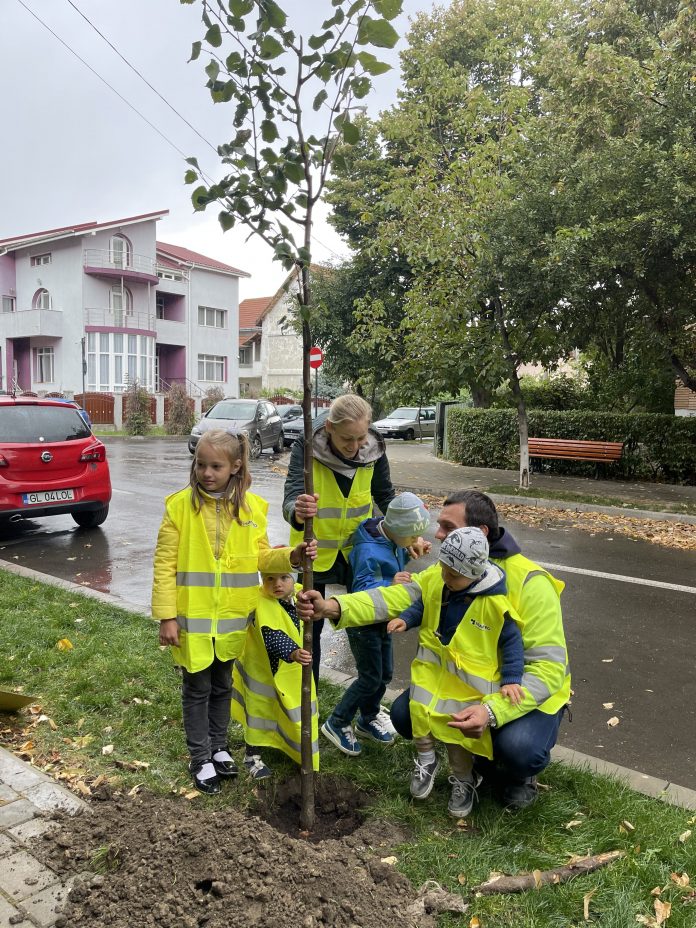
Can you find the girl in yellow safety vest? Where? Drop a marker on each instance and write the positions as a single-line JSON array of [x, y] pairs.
[[210, 547]]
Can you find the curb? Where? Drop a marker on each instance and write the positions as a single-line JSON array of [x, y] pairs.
[[652, 514], [643, 783]]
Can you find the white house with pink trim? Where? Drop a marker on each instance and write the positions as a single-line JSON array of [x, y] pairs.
[[131, 308]]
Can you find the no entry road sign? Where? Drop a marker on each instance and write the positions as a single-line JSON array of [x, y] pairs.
[[316, 357]]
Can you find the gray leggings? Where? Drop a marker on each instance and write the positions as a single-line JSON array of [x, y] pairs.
[[206, 697]]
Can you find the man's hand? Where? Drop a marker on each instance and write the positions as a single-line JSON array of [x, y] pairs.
[[169, 632], [419, 548], [305, 507], [312, 606], [401, 576], [396, 625], [296, 555], [472, 721], [300, 656]]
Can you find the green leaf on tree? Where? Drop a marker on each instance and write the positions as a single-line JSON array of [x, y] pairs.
[[269, 133], [360, 86], [377, 32], [316, 41], [195, 50], [294, 172], [212, 69], [200, 198], [319, 99], [213, 36], [190, 177], [389, 9], [372, 65], [273, 13], [241, 7], [351, 133], [270, 48], [193, 162], [226, 220]]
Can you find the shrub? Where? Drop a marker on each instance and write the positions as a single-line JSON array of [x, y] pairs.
[[656, 446], [137, 419], [180, 414], [560, 392], [212, 396]]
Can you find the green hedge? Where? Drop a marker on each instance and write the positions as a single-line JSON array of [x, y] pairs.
[[656, 447]]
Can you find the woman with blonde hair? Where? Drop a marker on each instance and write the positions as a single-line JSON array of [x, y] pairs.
[[350, 470]]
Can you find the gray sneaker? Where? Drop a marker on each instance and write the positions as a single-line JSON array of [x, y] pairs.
[[423, 778], [463, 796]]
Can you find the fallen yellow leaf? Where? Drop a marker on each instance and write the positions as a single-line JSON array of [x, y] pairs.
[[475, 922], [586, 904], [656, 891], [389, 860], [574, 823], [612, 722], [608, 705], [663, 910], [680, 879], [537, 878], [65, 644], [684, 836], [108, 749], [626, 827], [461, 879]]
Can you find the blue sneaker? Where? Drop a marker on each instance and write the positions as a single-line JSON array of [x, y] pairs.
[[343, 738], [376, 729]]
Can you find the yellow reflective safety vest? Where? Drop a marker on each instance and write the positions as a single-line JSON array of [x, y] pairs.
[[337, 516], [214, 595], [547, 670], [268, 705], [448, 678]]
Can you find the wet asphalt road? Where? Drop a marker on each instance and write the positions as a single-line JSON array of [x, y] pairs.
[[631, 642]]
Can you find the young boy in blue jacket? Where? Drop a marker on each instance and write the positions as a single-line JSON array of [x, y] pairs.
[[379, 553]]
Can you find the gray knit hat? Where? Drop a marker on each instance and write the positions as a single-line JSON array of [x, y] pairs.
[[406, 515], [466, 551]]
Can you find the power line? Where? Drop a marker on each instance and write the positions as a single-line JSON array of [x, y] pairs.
[[141, 76]]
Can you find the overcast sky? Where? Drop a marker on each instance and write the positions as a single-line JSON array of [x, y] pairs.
[[72, 151]]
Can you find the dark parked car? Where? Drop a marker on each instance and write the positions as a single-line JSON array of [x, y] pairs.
[[257, 419], [287, 413], [295, 427], [50, 463]]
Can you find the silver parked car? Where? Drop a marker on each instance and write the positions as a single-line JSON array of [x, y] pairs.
[[408, 422], [257, 419]]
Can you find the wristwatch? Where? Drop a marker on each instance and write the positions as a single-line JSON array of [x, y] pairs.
[[492, 720]]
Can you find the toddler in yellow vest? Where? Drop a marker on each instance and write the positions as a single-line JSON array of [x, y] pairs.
[[210, 547], [267, 677]]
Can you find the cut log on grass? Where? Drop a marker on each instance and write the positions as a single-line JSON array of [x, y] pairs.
[[537, 878]]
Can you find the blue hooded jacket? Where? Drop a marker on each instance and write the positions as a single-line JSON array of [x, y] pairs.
[[374, 559]]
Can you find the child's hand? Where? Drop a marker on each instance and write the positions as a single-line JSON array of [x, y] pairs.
[[305, 506], [396, 625], [401, 576], [169, 632], [296, 555], [300, 656], [513, 692], [419, 548]]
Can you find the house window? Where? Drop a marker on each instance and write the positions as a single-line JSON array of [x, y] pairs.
[[257, 351], [214, 318], [114, 360], [119, 251], [38, 260], [43, 372], [168, 275], [120, 303], [8, 304], [211, 367], [159, 307], [42, 299], [245, 357]]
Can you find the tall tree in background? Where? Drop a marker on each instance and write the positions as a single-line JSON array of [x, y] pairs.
[[295, 99]]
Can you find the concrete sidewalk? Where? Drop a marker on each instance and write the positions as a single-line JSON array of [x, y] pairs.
[[414, 467], [30, 892]]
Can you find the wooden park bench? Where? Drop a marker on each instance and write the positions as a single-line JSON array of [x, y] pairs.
[[565, 449]]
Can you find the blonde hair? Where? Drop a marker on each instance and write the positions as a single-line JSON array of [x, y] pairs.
[[349, 408], [236, 448]]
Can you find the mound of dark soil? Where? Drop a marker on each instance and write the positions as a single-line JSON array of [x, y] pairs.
[[169, 863]]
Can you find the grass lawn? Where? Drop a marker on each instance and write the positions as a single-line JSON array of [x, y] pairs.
[[102, 682], [593, 499]]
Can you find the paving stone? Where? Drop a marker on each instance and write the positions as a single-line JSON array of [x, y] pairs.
[[6, 910], [42, 907], [7, 794], [29, 831], [7, 845], [20, 867], [49, 796], [15, 812], [17, 774]]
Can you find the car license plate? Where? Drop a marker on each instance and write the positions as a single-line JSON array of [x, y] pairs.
[[47, 496]]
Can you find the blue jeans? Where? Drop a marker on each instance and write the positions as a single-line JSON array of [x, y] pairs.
[[521, 748], [372, 650]]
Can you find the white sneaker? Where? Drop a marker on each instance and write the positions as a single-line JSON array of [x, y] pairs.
[[385, 718]]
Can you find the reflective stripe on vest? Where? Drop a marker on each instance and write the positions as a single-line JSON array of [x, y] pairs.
[[262, 689], [269, 726]]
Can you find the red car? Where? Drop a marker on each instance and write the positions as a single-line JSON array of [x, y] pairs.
[[50, 463]]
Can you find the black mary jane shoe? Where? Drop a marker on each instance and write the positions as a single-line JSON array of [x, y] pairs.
[[225, 768], [209, 786]]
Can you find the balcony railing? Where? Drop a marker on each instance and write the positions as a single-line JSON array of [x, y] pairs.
[[27, 322], [119, 319], [105, 259]]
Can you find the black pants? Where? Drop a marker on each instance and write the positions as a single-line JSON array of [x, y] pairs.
[[206, 697]]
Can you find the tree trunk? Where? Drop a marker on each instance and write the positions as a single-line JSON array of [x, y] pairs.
[[306, 767], [513, 362]]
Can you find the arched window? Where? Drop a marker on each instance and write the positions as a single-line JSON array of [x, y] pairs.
[[42, 299], [120, 251], [120, 302]]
